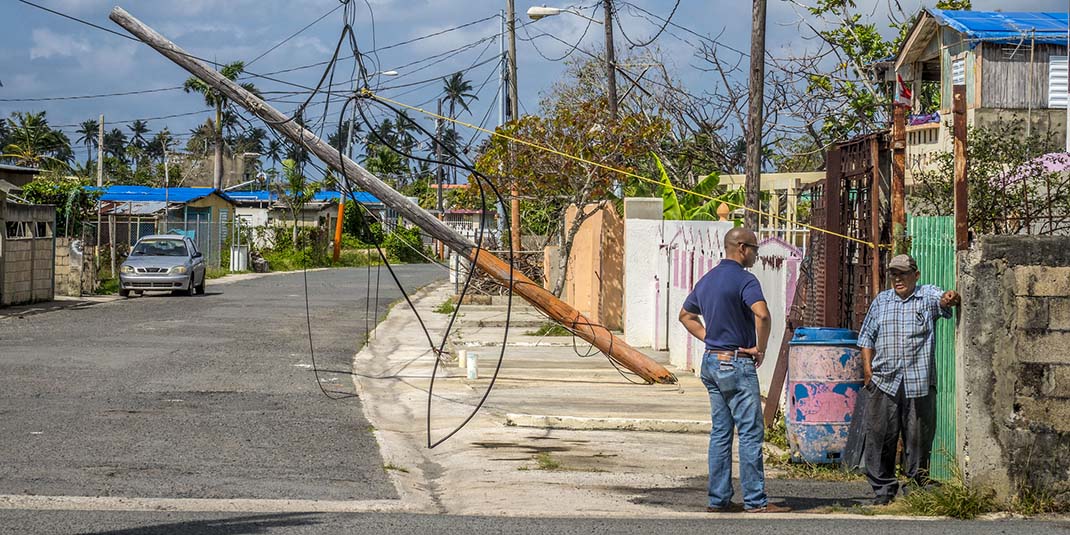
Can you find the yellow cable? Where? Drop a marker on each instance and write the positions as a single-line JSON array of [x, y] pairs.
[[368, 93]]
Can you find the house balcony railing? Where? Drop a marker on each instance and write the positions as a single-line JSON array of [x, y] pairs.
[[925, 142]]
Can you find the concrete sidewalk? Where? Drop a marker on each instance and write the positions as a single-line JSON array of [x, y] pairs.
[[560, 433]]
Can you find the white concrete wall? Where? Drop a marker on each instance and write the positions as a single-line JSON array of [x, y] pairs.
[[662, 262]]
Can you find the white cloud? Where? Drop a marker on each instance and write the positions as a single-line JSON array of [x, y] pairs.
[[47, 43]]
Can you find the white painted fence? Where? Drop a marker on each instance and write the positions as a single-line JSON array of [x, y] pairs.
[[663, 261]]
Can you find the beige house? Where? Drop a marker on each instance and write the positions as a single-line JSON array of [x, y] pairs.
[[1013, 66]]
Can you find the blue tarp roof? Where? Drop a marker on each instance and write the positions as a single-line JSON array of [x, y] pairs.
[[266, 196], [147, 194], [1006, 26]]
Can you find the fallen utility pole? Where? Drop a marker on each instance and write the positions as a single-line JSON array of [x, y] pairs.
[[560, 311]]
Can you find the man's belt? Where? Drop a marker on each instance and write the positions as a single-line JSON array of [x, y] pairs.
[[726, 356]]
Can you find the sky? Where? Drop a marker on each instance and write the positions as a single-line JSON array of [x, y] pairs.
[[43, 55]]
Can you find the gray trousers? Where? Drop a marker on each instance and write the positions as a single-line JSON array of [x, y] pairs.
[[887, 418]]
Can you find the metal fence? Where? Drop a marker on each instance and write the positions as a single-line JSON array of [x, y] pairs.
[[933, 246], [115, 236]]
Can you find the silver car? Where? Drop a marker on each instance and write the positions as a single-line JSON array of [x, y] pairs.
[[165, 262]]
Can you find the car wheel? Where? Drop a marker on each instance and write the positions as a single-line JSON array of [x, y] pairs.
[[200, 287], [124, 293], [190, 288]]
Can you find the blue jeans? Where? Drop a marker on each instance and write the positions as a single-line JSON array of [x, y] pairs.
[[734, 404]]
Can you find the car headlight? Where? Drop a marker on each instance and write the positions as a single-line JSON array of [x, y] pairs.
[[178, 269], [126, 269]]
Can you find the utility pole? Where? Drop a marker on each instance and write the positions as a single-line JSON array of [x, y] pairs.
[[899, 155], [754, 117], [611, 67], [439, 172], [562, 312], [166, 186], [100, 176], [514, 114]]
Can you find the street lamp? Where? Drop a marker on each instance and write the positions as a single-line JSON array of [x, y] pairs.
[[539, 12]]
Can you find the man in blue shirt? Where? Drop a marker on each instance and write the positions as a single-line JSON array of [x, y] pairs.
[[727, 311], [899, 368]]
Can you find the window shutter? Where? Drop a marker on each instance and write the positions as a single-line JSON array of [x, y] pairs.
[[1057, 82]]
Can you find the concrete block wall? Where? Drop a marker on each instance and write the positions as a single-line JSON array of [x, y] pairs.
[[1013, 369], [74, 273]]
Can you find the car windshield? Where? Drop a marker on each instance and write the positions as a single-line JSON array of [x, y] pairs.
[[160, 248]]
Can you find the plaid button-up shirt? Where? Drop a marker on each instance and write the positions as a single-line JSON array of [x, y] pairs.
[[902, 333]]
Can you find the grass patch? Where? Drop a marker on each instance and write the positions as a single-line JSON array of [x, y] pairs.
[[396, 468], [778, 434], [445, 308], [954, 498], [107, 287], [804, 470], [545, 461], [550, 329], [218, 273], [1030, 502]]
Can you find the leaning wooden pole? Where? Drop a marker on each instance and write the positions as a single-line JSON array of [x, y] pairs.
[[560, 311]]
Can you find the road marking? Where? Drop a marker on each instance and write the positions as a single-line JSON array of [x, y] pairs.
[[236, 505]]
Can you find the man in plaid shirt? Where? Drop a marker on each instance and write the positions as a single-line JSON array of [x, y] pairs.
[[899, 363]]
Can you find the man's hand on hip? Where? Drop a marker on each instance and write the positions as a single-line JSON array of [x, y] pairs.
[[754, 353]]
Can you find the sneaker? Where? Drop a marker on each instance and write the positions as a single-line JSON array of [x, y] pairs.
[[883, 500], [770, 508]]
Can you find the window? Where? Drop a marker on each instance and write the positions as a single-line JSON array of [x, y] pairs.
[[958, 71], [18, 230], [43, 230], [1057, 82]]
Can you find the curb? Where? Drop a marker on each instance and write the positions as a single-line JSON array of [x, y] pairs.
[[607, 424]]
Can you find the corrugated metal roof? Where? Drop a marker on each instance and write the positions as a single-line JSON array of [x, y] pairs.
[[18, 168], [132, 208], [362, 197], [144, 193], [1047, 27]]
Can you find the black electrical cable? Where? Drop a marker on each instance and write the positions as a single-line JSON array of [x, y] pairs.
[[481, 180], [341, 4], [656, 35]]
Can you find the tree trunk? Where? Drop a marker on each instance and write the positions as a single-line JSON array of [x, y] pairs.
[[217, 171]]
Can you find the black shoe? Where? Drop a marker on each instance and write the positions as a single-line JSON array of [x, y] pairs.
[[883, 500]]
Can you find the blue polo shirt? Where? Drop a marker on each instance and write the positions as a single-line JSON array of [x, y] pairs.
[[723, 297]]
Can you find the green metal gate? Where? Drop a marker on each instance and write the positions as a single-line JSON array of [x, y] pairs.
[[933, 246]]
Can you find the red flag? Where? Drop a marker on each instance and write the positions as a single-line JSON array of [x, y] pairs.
[[903, 95]]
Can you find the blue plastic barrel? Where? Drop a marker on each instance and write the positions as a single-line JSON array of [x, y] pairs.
[[824, 377]]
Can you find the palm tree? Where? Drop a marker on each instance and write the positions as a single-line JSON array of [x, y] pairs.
[[274, 152], [340, 138], [217, 99], [458, 92], [115, 144], [88, 131], [139, 128], [31, 142]]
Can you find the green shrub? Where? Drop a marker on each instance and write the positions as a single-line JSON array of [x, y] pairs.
[[445, 308], [406, 246], [108, 287], [550, 329]]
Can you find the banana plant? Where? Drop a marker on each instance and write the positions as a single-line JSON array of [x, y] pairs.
[[701, 203]]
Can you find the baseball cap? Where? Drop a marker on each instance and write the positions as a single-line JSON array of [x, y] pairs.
[[903, 262]]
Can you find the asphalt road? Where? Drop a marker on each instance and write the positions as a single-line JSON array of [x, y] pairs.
[[302, 523], [196, 397]]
